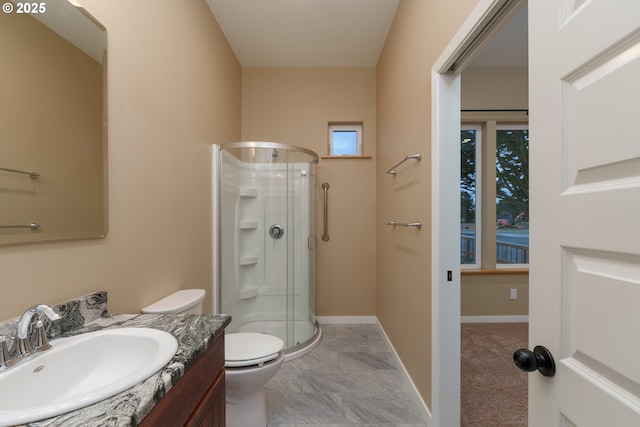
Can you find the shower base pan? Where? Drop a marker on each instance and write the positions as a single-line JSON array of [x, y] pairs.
[[277, 328]]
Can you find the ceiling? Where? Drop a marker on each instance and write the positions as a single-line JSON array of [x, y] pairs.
[[334, 33], [509, 47], [305, 33]]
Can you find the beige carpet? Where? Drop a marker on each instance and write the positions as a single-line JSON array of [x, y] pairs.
[[493, 389]]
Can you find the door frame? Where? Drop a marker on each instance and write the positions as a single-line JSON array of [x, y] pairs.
[[488, 17]]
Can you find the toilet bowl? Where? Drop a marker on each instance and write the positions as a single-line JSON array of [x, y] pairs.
[[251, 359]]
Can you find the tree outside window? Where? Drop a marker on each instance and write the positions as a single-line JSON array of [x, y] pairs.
[[469, 193], [512, 195]]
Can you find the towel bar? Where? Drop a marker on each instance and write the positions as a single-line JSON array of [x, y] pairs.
[[416, 224], [416, 156]]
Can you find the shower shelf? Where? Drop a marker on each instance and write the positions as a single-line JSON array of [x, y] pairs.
[[248, 260], [247, 293], [248, 225], [248, 192]]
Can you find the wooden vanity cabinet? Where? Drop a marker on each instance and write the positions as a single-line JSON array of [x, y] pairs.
[[197, 399]]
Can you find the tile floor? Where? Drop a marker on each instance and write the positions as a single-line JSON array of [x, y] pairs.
[[351, 379]]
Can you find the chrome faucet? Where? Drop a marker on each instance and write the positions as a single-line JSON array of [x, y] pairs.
[[25, 320], [25, 346]]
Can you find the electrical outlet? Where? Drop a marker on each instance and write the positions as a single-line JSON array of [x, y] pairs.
[[513, 294]]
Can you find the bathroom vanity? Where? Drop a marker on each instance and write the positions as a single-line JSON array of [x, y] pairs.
[[189, 390], [197, 399]]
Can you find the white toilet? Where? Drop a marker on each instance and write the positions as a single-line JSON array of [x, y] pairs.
[[186, 301], [251, 359]]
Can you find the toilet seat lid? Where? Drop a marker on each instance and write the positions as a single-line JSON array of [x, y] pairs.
[[250, 348]]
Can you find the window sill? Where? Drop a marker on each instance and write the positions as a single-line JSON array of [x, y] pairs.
[[496, 271], [344, 157]]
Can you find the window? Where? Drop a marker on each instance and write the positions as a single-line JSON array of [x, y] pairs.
[[345, 139], [494, 220], [470, 200], [512, 194]]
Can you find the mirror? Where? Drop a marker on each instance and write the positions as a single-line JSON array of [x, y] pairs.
[[53, 132]]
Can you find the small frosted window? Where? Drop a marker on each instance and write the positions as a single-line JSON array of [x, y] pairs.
[[345, 140]]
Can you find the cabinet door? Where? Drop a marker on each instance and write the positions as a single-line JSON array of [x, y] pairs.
[[210, 411]]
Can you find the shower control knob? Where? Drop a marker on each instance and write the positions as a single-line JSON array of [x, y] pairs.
[[276, 231]]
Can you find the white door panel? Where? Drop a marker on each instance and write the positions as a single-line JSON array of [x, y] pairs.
[[587, 111], [596, 401], [585, 191], [590, 93], [599, 330]]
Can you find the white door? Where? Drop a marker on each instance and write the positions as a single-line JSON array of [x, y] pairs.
[[584, 73]]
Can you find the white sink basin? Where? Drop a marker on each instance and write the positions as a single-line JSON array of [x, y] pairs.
[[81, 370]]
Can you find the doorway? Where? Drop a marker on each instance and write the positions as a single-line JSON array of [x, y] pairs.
[[478, 39], [494, 228]]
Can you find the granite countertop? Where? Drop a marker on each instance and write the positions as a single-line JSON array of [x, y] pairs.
[[194, 333]]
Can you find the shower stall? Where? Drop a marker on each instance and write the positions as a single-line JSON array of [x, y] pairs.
[[266, 242]]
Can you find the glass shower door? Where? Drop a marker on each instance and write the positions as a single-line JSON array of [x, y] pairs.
[[266, 240]]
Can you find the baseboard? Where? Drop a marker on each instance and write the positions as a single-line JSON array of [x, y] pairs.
[[346, 320], [424, 410], [494, 319]]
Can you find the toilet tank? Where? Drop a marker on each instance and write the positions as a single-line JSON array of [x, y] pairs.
[[186, 301]]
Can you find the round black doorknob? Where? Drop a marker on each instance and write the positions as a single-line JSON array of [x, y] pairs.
[[539, 359]]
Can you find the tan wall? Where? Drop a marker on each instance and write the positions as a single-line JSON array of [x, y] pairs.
[[499, 88], [488, 294], [294, 106], [495, 88], [419, 33], [51, 122], [174, 89]]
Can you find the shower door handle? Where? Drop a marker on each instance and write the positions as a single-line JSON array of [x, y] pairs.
[[325, 189]]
